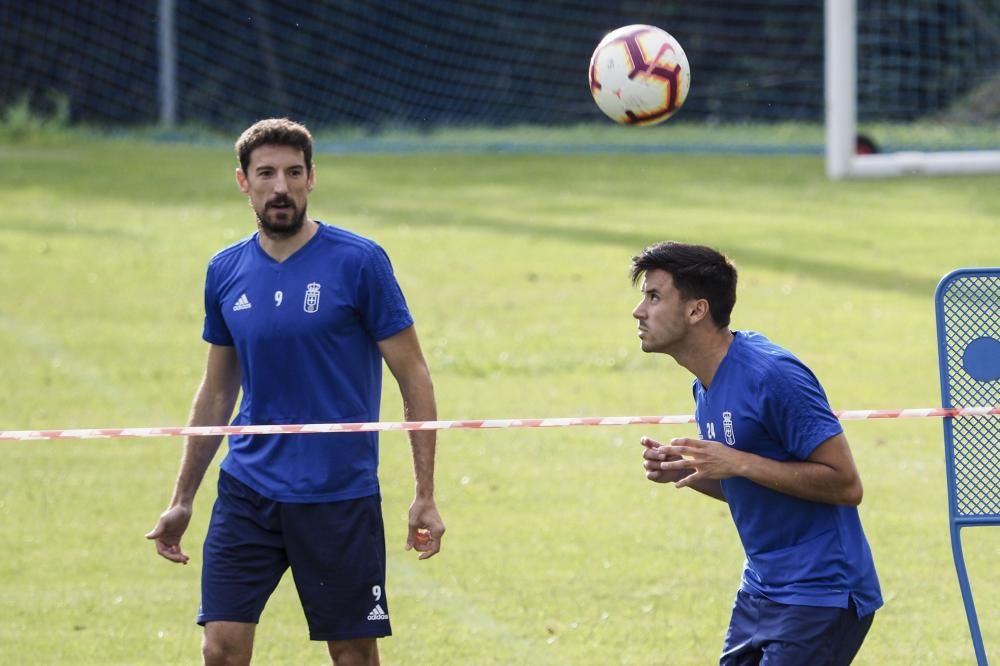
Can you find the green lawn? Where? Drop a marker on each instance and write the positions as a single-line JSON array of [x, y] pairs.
[[515, 266]]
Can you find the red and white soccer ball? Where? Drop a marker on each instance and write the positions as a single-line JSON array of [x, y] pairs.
[[639, 75]]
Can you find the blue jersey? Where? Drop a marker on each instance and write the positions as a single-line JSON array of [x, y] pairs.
[[305, 332], [765, 401]]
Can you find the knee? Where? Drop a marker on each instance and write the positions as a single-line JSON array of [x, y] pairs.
[[215, 652], [362, 652]]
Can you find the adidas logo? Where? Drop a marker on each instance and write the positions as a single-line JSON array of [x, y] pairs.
[[378, 613], [242, 303]]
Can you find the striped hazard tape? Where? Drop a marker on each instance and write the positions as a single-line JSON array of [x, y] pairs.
[[307, 428]]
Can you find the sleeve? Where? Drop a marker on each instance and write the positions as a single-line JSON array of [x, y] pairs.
[[215, 330], [797, 409], [380, 300]]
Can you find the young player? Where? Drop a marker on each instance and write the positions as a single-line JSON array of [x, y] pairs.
[[772, 449]]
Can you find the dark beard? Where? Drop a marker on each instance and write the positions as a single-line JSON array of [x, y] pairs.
[[281, 230]]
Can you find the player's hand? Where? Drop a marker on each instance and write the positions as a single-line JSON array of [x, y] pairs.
[[698, 459], [653, 455], [168, 532], [426, 528]]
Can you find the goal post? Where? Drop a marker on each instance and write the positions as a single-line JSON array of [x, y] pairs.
[[841, 101]]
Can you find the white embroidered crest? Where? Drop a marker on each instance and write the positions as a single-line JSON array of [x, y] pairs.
[[312, 297], [727, 428]]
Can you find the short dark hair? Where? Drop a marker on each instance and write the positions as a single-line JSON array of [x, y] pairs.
[[698, 271], [274, 132]]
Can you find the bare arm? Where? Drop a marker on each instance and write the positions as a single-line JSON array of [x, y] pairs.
[[406, 362], [828, 475], [213, 405]]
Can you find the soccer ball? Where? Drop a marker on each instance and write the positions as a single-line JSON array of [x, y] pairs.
[[639, 75]]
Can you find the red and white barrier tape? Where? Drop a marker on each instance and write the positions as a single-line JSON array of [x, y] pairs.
[[183, 431]]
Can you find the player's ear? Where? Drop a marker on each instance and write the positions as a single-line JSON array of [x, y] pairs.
[[311, 179], [241, 180], [698, 310]]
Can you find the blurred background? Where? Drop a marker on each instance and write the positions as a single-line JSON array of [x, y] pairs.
[[426, 65]]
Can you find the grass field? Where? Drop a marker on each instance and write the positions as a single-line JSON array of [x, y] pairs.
[[515, 265]]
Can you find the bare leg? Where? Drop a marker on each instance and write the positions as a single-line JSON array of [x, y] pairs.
[[227, 643], [357, 652]]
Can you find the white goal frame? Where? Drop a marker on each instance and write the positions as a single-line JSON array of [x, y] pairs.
[[841, 90]]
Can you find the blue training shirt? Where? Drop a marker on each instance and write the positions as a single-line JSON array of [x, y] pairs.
[[305, 332], [765, 401]]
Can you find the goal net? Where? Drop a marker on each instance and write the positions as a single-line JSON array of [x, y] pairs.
[[919, 78], [912, 87]]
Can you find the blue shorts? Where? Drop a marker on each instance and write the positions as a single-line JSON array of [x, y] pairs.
[[336, 551], [765, 632]]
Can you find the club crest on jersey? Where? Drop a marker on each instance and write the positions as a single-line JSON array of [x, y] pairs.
[[727, 428], [312, 298]]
